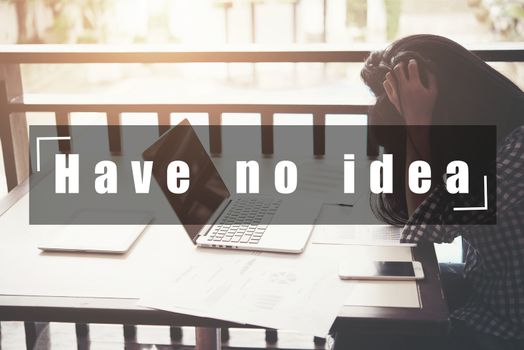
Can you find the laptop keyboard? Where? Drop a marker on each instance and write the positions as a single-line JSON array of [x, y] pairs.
[[245, 221]]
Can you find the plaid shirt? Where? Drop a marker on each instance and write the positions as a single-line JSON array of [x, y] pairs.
[[495, 261]]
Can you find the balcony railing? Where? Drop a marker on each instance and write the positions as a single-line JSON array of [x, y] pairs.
[[12, 109], [13, 125]]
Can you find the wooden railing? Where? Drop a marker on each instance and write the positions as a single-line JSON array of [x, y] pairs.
[[12, 109], [13, 125]]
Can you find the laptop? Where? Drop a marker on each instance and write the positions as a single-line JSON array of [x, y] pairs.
[[212, 217]]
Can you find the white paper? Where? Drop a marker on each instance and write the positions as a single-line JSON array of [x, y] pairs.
[[385, 235], [326, 180], [291, 294], [384, 294]]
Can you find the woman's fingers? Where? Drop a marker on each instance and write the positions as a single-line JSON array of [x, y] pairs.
[[416, 101], [391, 79], [391, 91], [399, 73], [395, 96], [432, 81], [413, 71]]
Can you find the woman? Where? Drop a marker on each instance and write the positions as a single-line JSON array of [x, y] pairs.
[[428, 80]]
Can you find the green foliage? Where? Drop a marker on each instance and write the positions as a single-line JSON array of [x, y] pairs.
[[505, 17], [357, 15], [357, 12], [393, 8]]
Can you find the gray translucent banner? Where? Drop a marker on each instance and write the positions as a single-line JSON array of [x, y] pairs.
[[189, 186]]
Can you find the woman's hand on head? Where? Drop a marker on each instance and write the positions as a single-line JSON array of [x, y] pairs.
[[413, 100]]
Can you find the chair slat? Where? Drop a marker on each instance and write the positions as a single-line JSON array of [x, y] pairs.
[[164, 121], [266, 119], [62, 129], [114, 132], [319, 134], [215, 133]]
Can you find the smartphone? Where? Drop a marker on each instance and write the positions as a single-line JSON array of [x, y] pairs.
[[381, 270]]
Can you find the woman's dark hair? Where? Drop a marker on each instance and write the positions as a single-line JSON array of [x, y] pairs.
[[470, 92]]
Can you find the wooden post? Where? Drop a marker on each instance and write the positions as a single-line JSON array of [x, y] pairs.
[[82, 336], [33, 335], [267, 133], [13, 127], [319, 135], [225, 334], [215, 133], [271, 336], [175, 333], [30, 334], [63, 129], [207, 338], [164, 122], [114, 132], [129, 333], [82, 330]]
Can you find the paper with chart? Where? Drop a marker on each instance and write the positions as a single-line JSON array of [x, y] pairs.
[[291, 294]]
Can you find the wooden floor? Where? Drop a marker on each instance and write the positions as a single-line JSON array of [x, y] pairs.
[[62, 336]]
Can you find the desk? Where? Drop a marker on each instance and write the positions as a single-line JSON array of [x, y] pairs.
[[94, 288]]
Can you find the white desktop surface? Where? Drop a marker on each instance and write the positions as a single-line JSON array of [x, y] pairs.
[[26, 270]]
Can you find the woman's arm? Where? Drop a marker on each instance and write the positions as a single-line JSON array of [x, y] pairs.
[[415, 102], [446, 223]]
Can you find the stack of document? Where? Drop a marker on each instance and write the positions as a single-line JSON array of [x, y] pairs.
[[303, 295]]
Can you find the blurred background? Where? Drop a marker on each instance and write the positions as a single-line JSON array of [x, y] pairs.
[[224, 24], [277, 21], [217, 24]]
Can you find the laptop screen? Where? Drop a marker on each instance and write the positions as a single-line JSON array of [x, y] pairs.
[[207, 190]]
